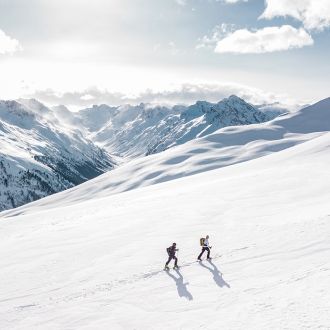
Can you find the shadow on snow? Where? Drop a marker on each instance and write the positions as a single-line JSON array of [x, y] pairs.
[[217, 275], [180, 285]]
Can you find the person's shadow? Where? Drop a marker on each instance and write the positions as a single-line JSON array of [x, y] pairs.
[[217, 275], [180, 286]]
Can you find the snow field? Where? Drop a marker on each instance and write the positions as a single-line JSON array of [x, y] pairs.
[[97, 264]]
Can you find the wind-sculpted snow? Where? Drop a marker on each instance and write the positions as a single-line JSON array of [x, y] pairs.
[[225, 147], [39, 155], [97, 264]]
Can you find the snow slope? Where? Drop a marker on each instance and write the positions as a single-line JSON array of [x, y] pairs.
[[225, 147], [97, 264]]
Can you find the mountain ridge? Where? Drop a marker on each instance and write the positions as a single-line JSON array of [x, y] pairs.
[[39, 156], [223, 148], [47, 150], [133, 131]]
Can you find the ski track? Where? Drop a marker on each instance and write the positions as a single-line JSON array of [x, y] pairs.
[[101, 288], [134, 278], [98, 293]]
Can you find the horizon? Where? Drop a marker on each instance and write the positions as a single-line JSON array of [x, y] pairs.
[[169, 105]]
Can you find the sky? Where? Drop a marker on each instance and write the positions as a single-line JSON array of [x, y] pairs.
[[79, 52]]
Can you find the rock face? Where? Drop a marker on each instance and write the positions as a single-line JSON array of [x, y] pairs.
[[41, 155]]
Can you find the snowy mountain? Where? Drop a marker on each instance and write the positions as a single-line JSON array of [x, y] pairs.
[[92, 258], [125, 131], [131, 131], [225, 147], [46, 150], [42, 154]]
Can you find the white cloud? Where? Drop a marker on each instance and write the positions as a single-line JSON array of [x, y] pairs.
[[315, 14], [218, 33], [87, 97], [269, 39], [8, 44]]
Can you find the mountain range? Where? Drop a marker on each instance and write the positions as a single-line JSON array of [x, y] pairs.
[[46, 150], [132, 131]]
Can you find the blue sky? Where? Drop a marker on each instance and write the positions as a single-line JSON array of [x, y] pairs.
[[79, 52]]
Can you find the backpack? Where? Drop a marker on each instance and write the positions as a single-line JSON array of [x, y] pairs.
[[168, 250], [201, 241]]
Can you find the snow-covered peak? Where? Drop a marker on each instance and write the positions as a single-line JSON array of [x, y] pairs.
[[232, 103], [97, 116], [66, 117], [35, 106], [16, 114], [43, 151], [235, 102], [233, 99]]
